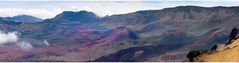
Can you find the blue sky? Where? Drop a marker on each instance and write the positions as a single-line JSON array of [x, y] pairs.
[[48, 9]]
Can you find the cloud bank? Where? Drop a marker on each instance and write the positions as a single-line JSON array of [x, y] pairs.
[[8, 37], [37, 12], [12, 37], [49, 9]]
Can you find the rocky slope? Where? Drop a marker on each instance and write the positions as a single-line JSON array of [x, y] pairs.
[[219, 53]]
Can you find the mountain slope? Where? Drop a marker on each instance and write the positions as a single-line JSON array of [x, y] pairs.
[[24, 18], [219, 53]]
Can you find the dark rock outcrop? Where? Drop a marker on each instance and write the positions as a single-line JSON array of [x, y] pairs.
[[233, 35], [195, 53]]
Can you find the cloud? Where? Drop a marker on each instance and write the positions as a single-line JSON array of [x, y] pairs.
[[46, 42], [109, 8], [25, 45], [49, 9], [37, 12], [8, 37], [12, 37]]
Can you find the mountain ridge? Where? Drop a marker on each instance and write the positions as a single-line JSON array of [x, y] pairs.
[[24, 18]]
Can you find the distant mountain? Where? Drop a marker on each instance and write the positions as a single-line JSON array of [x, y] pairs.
[[24, 18], [7, 26], [181, 16], [83, 17]]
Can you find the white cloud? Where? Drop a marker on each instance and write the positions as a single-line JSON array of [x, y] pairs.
[[8, 37], [102, 8], [45, 42], [109, 8], [25, 45], [12, 37], [41, 13]]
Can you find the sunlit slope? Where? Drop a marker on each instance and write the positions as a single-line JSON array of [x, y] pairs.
[[223, 53]]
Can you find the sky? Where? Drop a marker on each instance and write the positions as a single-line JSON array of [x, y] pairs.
[[50, 8]]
